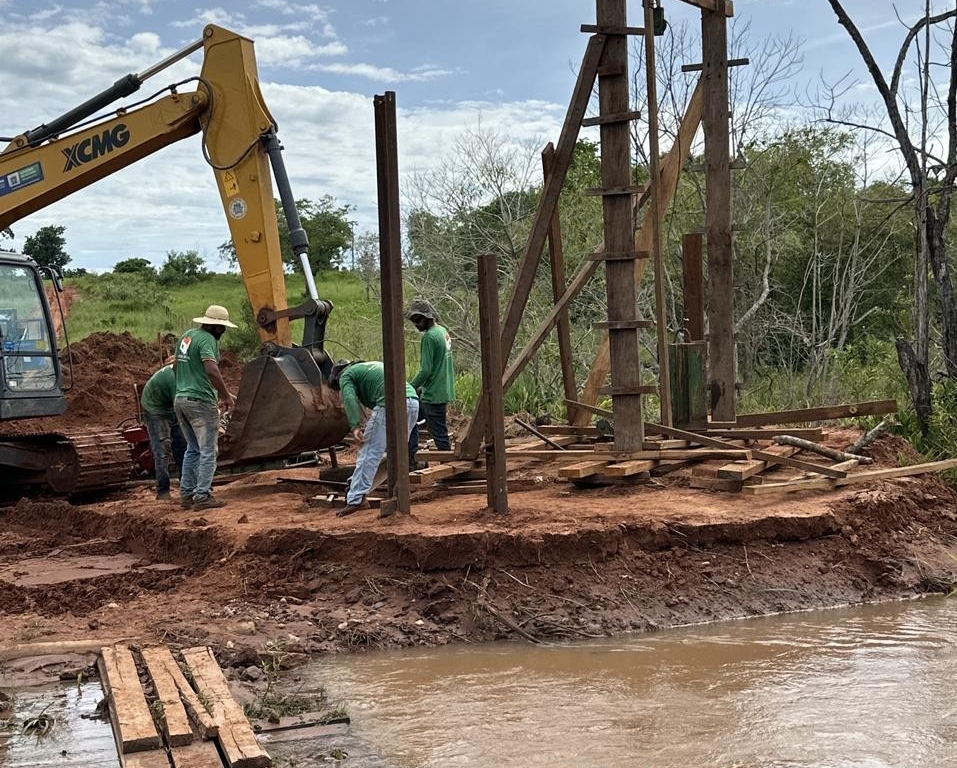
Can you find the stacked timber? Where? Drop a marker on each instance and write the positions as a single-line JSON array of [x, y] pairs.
[[189, 719], [722, 457]]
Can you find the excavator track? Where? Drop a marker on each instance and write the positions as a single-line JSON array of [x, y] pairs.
[[65, 462]]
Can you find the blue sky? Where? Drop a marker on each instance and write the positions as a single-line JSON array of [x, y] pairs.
[[508, 65]]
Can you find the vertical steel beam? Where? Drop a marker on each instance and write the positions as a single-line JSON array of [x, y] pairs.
[[393, 342], [492, 365]]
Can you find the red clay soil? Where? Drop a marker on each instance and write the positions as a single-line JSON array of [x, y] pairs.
[[60, 305], [566, 563]]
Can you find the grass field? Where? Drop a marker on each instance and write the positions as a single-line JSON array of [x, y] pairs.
[[118, 303]]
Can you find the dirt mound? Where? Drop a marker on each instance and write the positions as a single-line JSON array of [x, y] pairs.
[[105, 372]]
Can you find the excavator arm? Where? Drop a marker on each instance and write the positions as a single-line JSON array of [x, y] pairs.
[[284, 405], [239, 142]]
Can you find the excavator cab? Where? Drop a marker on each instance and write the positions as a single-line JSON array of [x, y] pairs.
[[31, 383]]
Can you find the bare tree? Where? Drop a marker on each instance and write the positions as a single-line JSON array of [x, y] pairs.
[[923, 127]]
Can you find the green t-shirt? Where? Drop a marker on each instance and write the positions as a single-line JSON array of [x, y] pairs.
[[364, 384], [436, 377], [192, 380], [159, 391]]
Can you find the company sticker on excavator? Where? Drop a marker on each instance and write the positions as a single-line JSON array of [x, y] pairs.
[[238, 208], [23, 177]]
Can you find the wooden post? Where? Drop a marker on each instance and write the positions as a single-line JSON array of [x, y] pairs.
[[492, 364], [621, 285], [393, 342], [717, 162], [556, 253], [693, 285], [654, 212]]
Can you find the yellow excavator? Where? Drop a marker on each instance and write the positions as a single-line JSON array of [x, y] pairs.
[[284, 406]]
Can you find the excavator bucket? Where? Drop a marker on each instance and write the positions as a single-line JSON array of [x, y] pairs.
[[284, 408]]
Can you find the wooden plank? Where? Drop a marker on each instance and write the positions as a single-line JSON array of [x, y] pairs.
[[431, 475], [694, 454], [668, 183], [627, 468], [153, 758], [130, 714], [236, 737], [556, 257], [426, 455], [660, 444], [582, 469], [202, 754], [855, 479], [604, 29], [743, 470], [807, 466], [807, 433], [569, 429], [821, 413], [175, 721], [725, 6], [200, 717], [715, 484]]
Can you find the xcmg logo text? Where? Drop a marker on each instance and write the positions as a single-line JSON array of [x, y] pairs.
[[96, 146]]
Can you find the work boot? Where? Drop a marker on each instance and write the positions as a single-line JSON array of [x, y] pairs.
[[186, 502], [208, 502], [348, 509], [162, 495]]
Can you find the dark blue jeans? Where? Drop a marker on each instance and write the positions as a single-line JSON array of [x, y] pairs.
[[166, 443], [437, 424]]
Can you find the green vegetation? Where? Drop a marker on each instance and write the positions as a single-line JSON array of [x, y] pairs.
[[142, 305], [47, 247]]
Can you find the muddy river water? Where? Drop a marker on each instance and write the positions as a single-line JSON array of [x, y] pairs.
[[864, 687], [867, 687]]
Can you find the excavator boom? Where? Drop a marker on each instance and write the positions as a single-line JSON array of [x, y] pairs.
[[284, 406]]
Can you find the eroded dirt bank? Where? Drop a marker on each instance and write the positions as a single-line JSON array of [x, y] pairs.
[[270, 571]]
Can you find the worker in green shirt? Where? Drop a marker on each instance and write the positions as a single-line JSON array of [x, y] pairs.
[[435, 381], [166, 438], [198, 383], [363, 384]]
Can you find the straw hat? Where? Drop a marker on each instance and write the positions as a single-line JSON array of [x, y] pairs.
[[215, 315]]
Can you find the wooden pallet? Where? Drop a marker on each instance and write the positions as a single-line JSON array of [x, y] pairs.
[[190, 721]]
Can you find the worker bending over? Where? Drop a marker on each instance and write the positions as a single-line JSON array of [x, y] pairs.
[[363, 384]]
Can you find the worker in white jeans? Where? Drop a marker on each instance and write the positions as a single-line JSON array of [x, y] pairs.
[[363, 384]]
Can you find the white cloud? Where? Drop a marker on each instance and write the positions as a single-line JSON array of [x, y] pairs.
[[385, 74], [294, 52]]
